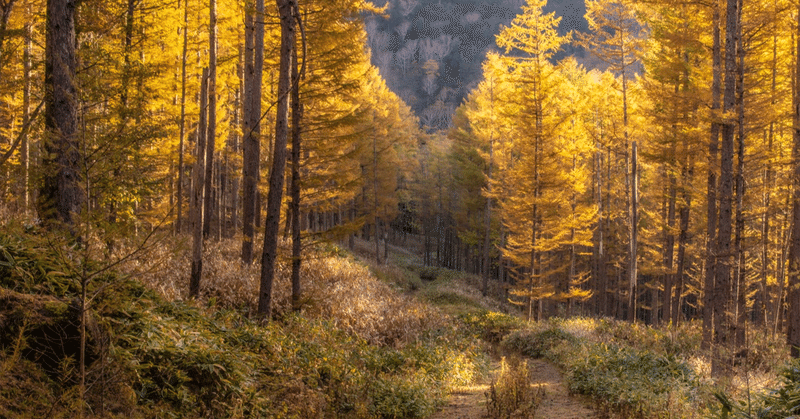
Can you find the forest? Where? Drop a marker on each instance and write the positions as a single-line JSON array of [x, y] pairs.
[[350, 208]]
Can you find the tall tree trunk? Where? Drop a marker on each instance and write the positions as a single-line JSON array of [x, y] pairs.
[[297, 120], [375, 199], [687, 178], [251, 143], [597, 245], [25, 155], [709, 283], [669, 247], [235, 145], [785, 242], [487, 216], [182, 137], [633, 266], [212, 117], [724, 327], [62, 195], [740, 271], [793, 296], [198, 174], [286, 10], [764, 307]]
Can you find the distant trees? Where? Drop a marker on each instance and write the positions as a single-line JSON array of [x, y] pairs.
[[707, 233]]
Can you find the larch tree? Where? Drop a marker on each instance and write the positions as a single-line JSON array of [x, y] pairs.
[[673, 100], [529, 43], [616, 38]]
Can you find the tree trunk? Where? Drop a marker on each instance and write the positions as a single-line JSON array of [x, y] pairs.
[[633, 266], [297, 120], [251, 129], [764, 307], [26, 116], [182, 137], [669, 248], [487, 217], [62, 195], [212, 116], [740, 271], [724, 327], [375, 198], [709, 282], [198, 174], [286, 10], [793, 296]]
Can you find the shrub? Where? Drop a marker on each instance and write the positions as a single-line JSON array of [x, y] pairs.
[[510, 395], [631, 382], [491, 326], [537, 344]]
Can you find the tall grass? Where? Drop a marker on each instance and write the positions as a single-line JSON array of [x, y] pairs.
[[357, 349]]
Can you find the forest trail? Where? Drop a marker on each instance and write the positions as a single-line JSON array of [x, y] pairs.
[[469, 402]]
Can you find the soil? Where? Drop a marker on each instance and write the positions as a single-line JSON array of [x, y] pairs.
[[470, 402]]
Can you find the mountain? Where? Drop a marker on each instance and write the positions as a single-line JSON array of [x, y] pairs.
[[430, 51]]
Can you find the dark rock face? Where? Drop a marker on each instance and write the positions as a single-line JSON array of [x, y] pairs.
[[430, 51]]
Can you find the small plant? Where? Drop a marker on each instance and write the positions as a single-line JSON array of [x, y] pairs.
[[511, 394], [491, 326], [537, 344]]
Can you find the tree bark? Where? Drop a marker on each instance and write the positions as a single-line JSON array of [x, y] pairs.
[[26, 116], [198, 173], [286, 10], [724, 327], [62, 195], [669, 248], [182, 137], [212, 117], [487, 215], [793, 295], [709, 283], [633, 265], [297, 120], [740, 263], [251, 143]]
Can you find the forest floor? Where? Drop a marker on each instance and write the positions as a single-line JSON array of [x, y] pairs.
[[469, 402]]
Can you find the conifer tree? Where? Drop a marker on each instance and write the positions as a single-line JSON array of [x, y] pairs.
[[616, 39]]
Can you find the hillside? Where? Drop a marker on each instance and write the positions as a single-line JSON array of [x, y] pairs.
[[371, 341], [430, 51]]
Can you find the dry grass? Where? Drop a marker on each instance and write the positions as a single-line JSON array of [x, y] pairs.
[[336, 288]]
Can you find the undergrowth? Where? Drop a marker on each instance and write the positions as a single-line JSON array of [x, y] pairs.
[[357, 349], [636, 371]]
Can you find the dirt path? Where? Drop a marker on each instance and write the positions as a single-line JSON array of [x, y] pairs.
[[470, 402]]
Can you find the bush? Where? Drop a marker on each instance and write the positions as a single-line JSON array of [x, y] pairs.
[[631, 382], [491, 326], [537, 344], [511, 394]]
